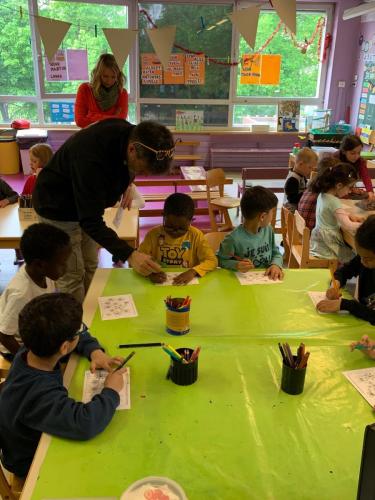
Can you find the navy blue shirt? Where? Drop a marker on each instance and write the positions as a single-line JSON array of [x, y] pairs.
[[34, 401]]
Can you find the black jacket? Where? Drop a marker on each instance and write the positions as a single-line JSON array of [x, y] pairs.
[[365, 308], [85, 176]]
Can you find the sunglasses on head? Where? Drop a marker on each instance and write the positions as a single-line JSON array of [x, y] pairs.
[[161, 154], [83, 329]]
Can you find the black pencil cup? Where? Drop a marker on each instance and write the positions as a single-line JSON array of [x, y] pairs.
[[183, 374], [292, 380]]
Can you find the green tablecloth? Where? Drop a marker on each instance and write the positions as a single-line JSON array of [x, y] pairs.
[[233, 434]]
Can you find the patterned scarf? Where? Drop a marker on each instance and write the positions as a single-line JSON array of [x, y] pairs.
[[107, 97]]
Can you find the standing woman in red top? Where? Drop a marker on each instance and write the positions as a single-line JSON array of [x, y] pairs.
[[104, 97], [350, 152]]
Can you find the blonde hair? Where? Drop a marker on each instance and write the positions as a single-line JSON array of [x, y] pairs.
[[43, 152], [306, 155], [106, 61]]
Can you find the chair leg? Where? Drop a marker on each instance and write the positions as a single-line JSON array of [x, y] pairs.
[[212, 219], [293, 263], [227, 220]]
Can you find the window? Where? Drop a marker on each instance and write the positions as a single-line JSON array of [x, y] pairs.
[[300, 72], [202, 25]]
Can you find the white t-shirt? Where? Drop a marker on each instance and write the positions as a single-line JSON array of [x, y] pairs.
[[17, 294]]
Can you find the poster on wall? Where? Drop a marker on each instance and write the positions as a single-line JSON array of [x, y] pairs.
[[260, 69], [194, 69], [61, 112], [366, 112], [288, 116], [189, 120], [67, 65], [151, 70], [175, 72]]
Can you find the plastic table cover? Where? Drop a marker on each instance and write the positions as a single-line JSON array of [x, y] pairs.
[[233, 434]]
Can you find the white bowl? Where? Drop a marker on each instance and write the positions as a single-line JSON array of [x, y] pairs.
[[171, 490]]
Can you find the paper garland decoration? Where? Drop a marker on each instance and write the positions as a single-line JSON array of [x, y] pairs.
[[121, 42], [162, 39], [52, 33], [287, 12], [246, 21]]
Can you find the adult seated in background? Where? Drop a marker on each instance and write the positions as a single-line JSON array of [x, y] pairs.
[[104, 97], [90, 172]]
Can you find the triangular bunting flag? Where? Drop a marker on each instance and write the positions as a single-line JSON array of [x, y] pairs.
[[246, 22], [162, 40], [287, 11], [121, 42], [52, 33]]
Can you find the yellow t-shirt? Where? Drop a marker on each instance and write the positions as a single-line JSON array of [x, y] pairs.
[[190, 251]]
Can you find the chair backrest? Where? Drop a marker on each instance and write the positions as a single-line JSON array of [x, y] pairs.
[[301, 236], [6, 491], [215, 238], [287, 223], [215, 177]]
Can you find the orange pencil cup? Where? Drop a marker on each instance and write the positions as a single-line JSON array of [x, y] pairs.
[[177, 316]]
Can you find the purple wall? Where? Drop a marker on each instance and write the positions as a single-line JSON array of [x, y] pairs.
[[367, 30], [343, 54]]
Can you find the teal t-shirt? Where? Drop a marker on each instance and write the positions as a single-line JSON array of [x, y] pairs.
[[260, 248], [326, 206]]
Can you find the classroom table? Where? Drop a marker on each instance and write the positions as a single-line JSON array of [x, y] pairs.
[[12, 228], [352, 208], [233, 434]]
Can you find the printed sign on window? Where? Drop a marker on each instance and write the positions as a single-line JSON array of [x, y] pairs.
[[260, 69], [194, 69], [67, 65], [175, 71], [151, 70]]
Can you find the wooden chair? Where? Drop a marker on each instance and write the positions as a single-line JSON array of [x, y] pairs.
[[287, 222], [300, 248], [215, 179], [12, 489], [4, 367], [214, 239]]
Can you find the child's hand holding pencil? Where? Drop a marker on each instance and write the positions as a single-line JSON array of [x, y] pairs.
[[333, 293], [366, 345]]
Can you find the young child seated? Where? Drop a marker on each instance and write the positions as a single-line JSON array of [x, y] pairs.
[[33, 398], [296, 181], [252, 244], [327, 241], [177, 243], [307, 203], [7, 194], [363, 266], [40, 155], [46, 250], [350, 152]]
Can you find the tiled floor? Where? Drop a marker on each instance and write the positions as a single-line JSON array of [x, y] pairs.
[[8, 269]]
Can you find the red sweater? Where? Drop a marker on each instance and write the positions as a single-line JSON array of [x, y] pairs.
[[362, 170], [87, 111], [28, 188]]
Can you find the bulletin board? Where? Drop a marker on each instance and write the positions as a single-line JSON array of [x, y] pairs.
[[366, 112]]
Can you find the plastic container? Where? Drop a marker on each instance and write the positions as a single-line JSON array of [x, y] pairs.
[[183, 374], [177, 319], [292, 380], [9, 155], [27, 138], [296, 148], [148, 488]]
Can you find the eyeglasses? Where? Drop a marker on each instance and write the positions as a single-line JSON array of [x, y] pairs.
[[83, 329], [161, 154]]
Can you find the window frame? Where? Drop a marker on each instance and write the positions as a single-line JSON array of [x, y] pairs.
[[41, 96]]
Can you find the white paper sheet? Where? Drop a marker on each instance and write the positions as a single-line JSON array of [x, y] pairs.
[[171, 276], [317, 297], [117, 306], [255, 278], [118, 217], [94, 383], [364, 381]]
